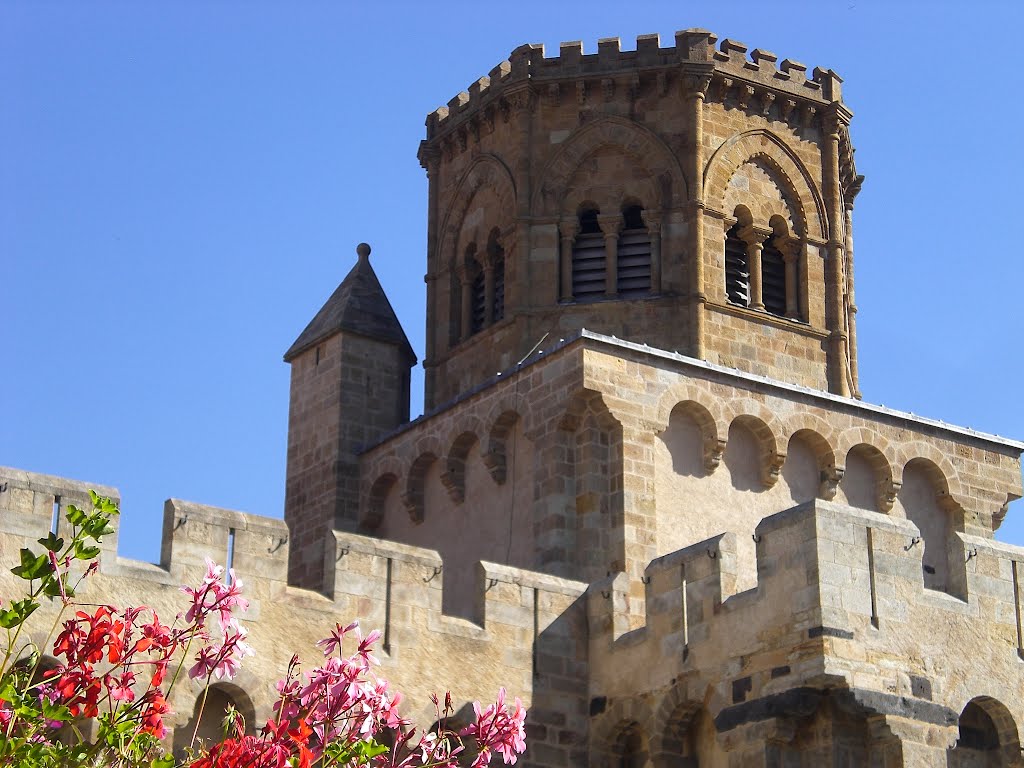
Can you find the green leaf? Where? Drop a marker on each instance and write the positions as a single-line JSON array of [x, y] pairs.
[[17, 613], [32, 566], [74, 515], [52, 543], [85, 552]]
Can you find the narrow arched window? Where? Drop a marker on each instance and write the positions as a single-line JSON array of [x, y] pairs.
[[737, 267], [773, 278], [478, 301], [588, 257], [499, 289], [634, 254]]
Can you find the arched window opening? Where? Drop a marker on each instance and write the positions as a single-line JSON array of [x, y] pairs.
[[632, 748], [737, 268], [977, 731], [634, 254], [210, 716], [588, 257], [478, 301], [496, 264], [499, 289], [773, 278]]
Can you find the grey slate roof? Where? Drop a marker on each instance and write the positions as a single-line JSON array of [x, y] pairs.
[[358, 305]]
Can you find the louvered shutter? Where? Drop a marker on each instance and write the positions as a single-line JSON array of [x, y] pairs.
[[737, 270]]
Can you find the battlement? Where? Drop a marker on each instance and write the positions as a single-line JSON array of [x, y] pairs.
[[393, 587], [694, 52], [833, 583]]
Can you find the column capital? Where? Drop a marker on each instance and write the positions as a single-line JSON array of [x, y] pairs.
[[754, 236], [610, 223], [567, 228]]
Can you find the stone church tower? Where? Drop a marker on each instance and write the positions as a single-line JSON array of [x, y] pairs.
[[687, 198], [646, 495]]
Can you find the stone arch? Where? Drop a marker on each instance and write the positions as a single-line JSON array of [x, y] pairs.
[[609, 131], [767, 429], [944, 473], [496, 455], [925, 499], [416, 483], [821, 437], [996, 716], [854, 436], [682, 391], [486, 171], [671, 728], [773, 151], [884, 485], [621, 719], [208, 713], [376, 497], [454, 475], [713, 438]]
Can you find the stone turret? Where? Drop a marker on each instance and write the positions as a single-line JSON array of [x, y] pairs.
[[695, 197], [349, 387]]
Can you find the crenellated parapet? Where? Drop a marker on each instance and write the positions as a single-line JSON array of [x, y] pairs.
[[754, 79], [839, 603], [521, 619]]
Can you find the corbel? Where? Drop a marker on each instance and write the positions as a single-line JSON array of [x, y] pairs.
[[581, 92], [494, 460], [634, 86], [607, 88], [767, 99], [807, 115], [413, 506], [743, 95], [450, 480], [886, 494], [771, 468], [661, 82], [786, 108], [724, 86], [714, 448], [831, 476], [554, 94]]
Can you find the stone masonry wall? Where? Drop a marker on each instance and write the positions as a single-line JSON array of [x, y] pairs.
[[525, 149], [523, 616]]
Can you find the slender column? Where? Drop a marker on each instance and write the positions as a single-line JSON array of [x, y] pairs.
[[430, 159], [654, 232], [835, 315], [696, 85], [790, 248], [610, 224], [567, 230], [850, 298], [754, 238]]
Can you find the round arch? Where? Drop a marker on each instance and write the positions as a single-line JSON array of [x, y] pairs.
[[634, 139], [768, 147]]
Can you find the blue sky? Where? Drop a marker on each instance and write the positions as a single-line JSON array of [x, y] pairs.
[[183, 185]]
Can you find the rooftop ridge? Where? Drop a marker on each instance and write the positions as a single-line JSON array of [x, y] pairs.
[[693, 363], [693, 49]]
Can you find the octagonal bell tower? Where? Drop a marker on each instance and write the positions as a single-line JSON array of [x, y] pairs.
[[693, 198]]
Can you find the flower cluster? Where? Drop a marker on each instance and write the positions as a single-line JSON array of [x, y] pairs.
[[118, 666]]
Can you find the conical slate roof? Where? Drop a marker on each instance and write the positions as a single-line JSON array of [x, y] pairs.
[[358, 305]]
